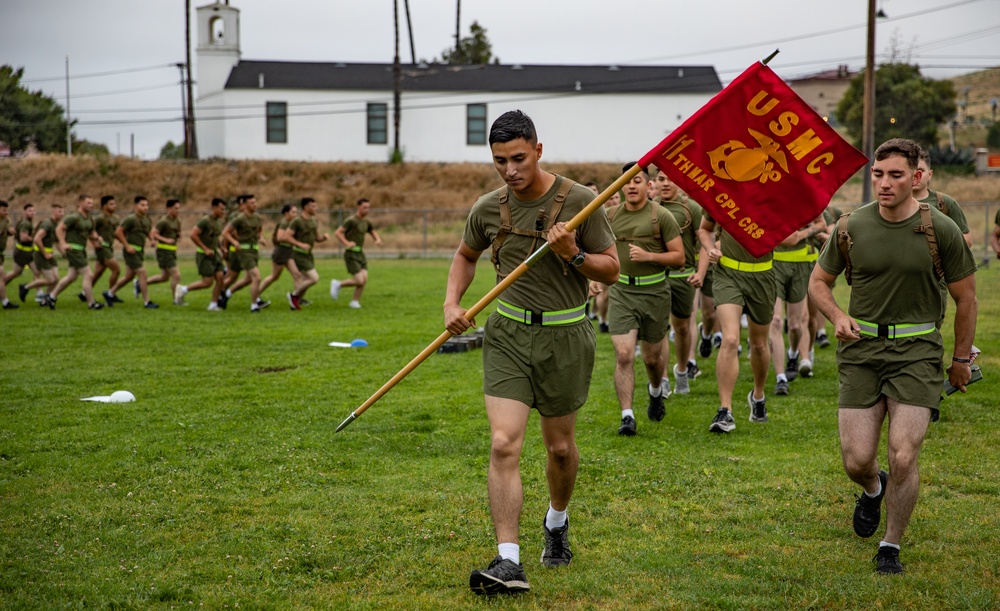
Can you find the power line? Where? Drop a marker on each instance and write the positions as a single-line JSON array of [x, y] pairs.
[[96, 74]]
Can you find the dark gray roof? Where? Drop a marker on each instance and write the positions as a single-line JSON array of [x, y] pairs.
[[484, 78]]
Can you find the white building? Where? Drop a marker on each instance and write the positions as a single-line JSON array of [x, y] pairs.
[[344, 112]]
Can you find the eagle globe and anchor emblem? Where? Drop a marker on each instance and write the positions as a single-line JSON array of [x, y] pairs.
[[735, 161]]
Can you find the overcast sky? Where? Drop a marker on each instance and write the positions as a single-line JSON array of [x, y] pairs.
[[140, 41]]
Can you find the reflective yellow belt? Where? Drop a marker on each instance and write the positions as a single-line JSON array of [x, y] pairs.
[[561, 317], [24, 248], [105, 244], [164, 246], [248, 246], [642, 280], [743, 266], [895, 331], [354, 249], [137, 248], [73, 246], [304, 251], [801, 255], [682, 273]]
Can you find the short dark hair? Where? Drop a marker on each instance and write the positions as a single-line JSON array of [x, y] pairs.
[[83, 196], [29, 205], [57, 206], [363, 200], [305, 202], [628, 166], [512, 125], [925, 156], [907, 149], [4, 204], [172, 202], [218, 201], [285, 208], [105, 199], [139, 198], [243, 198]]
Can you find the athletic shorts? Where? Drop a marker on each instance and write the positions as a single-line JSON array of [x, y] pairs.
[[356, 261], [166, 259], [755, 292], [707, 283], [645, 309], [208, 266], [77, 258], [281, 255], [545, 367], [42, 263], [792, 279], [908, 370], [681, 297], [304, 261], [234, 262], [247, 259], [24, 258], [104, 254], [133, 260]]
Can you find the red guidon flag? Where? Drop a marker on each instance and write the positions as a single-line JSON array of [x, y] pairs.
[[759, 159]]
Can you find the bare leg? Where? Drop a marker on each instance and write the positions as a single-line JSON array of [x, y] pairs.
[[508, 421], [907, 428], [562, 458], [624, 367], [727, 364]]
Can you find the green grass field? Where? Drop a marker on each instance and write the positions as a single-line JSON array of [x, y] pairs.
[[225, 486]]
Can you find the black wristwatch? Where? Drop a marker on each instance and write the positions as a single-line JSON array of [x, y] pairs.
[[577, 261]]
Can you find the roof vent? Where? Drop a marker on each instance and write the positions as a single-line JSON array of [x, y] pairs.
[[577, 87], [340, 65], [422, 65], [680, 73], [517, 67], [260, 80], [613, 68]]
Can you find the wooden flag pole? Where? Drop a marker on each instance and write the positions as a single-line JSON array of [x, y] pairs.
[[480, 305]]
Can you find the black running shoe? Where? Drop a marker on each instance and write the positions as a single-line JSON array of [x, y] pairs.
[[151, 306], [10, 305], [262, 303], [704, 343], [135, 288], [82, 296], [781, 387], [223, 300], [556, 552], [502, 576], [109, 298], [49, 301], [887, 561], [758, 409], [603, 327], [97, 305], [304, 302], [723, 422], [114, 298], [791, 363], [868, 510], [627, 429], [22, 291], [693, 370], [822, 340], [655, 410]]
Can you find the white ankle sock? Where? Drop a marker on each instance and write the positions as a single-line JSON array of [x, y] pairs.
[[655, 391], [628, 412], [887, 544], [554, 519], [510, 551], [877, 492]]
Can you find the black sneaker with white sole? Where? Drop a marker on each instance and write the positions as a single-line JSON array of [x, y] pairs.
[[502, 576], [887, 561], [627, 429], [758, 409], [556, 552], [723, 422], [704, 343], [781, 387], [868, 509]]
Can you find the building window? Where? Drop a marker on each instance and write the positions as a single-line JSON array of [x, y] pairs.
[[378, 123], [277, 122], [475, 124]]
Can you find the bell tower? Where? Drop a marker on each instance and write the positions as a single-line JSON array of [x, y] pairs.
[[218, 45]]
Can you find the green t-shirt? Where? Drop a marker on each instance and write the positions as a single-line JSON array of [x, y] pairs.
[[284, 224], [78, 228], [689, 234], [892, 272], [24, 226], [305, 230], [210, 229], [550, 284], [50, 232], [105, 226], [355, 230], [636, 227], [169, 228], [951, 208], [136, 229], [4, 228], [247, 228], [996, 219], [732, 249]]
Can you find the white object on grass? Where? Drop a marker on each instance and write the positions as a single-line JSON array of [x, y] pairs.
[[119, 396]]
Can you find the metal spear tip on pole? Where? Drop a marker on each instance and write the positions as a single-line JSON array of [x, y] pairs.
[[348, 420]]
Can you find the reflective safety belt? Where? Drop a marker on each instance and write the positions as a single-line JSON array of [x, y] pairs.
[[136, 247], [248, 247], [895, 331], [165, 246], [743, 266], [643, 280], [354, 249], [105, 244], [23, 248], [561, 317], [800, 255], [304, 251], [682, 273], [73, 246]]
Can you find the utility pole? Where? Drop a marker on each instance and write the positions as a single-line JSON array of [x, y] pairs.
[[187, 145], [397, 77], [190, 141], [458, 27], [69, 136], [409, 27], [868, 107]]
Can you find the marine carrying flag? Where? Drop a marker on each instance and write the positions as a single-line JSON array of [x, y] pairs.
[[759, 159]]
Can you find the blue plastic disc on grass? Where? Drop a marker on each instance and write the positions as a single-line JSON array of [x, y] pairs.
[[359, 343]]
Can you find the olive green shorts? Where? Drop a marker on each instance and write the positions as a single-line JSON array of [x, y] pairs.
[[166, 259], [133, 261], [792, 279], [44, 264], [281, 254], [755, 292], [208, 266], [104, 254], [645, 308], [356, 261], [907, 370], [545, 367], [304, 261], [77, 258], [246, 259], [24, 258], [681, 297], [234, 262], [707, 287]]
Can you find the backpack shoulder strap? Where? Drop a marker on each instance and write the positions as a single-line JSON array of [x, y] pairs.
[[505, 228], [844, 244], [942, 204], [926, 227], [560, 199]]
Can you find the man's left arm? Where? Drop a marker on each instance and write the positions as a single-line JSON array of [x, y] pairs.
[[378, 240], [963, 292]]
